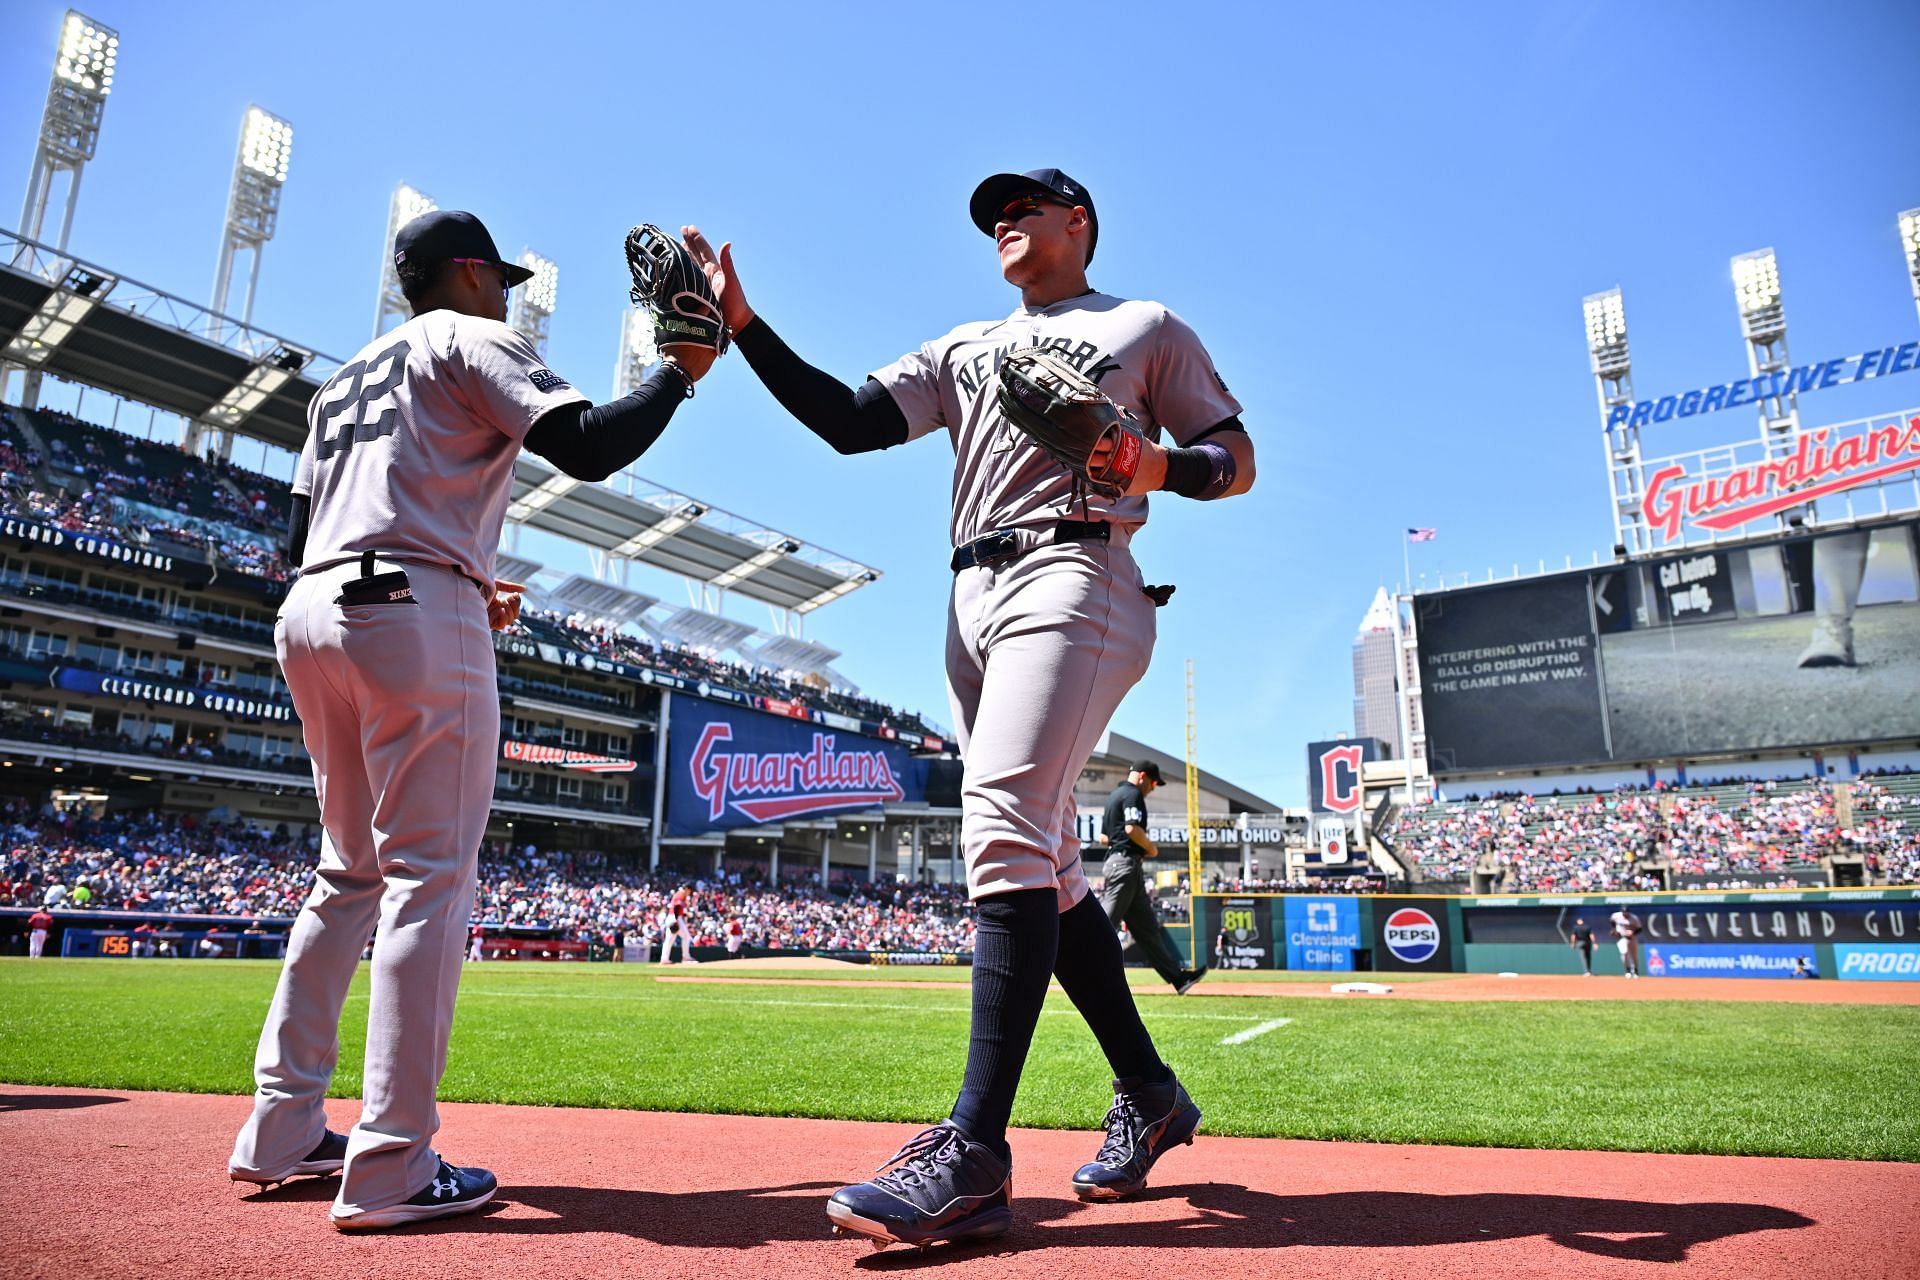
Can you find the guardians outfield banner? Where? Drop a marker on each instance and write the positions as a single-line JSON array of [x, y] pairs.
[[728, 767]]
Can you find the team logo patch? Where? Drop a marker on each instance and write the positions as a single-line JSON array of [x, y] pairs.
[[1412, 935], [547, 380]]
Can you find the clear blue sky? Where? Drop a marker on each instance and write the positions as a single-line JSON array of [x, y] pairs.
[[1380, 218]]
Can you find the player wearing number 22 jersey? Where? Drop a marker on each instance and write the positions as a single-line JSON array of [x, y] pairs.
[[1049, 625], [399, 497]]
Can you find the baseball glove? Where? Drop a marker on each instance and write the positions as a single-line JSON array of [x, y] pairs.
[[1065, 413], [671, 286]]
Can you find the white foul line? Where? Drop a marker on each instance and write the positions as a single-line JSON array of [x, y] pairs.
[[1271, 1024]]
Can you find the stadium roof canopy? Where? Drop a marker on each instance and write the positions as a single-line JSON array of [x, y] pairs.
[[85, 324]]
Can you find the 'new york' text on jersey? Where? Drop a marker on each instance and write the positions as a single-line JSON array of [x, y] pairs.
[[1143, 356]]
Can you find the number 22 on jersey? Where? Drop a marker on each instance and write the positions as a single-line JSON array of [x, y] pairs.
[[359, 403]]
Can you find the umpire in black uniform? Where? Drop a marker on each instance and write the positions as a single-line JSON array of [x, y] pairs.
[[1125, 895]]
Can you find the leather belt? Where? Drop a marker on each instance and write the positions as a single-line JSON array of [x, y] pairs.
[[1003, 546]]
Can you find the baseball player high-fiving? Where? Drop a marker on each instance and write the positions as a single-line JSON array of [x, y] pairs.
[[1049, 625], [398, 501]]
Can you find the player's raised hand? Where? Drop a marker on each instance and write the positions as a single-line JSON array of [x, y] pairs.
[[721, 276], [503, 609]]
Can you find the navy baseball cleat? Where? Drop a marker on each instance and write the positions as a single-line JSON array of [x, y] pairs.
[[453, 1190], [940, 1186], [329, 1157], [1144, 1123], [1189, 979]]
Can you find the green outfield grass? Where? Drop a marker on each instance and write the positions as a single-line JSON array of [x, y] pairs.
[[1763, 1079]]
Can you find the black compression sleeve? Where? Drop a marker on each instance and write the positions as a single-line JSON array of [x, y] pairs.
[[851, 421], [298, 515], [593, 443]]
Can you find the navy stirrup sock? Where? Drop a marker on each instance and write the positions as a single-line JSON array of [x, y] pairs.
[[1091, 973], [1016, 938]]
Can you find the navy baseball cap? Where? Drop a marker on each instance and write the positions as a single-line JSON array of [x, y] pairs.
[[992, 195], [1149, 768], [452, 233]]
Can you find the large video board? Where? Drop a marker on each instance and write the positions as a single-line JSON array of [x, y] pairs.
[[1792, 642]]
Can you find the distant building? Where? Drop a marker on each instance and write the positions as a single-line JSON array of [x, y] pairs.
[[1376, 711]]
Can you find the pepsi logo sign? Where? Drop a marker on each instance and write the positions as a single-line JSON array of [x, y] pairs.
[[1412, 935]]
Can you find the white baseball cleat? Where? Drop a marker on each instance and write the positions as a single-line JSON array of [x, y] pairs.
[[1832, 643]]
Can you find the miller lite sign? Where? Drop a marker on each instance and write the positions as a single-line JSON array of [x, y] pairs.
[[1333, 773], [1332, 838], [729, 767]]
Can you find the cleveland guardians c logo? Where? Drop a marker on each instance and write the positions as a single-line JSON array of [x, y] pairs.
[[1340, 778]]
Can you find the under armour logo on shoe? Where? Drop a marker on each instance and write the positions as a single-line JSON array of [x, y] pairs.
[[447, 1188]]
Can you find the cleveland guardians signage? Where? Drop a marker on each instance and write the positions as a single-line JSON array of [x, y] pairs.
[[1333, 773], [1731, 395], [729, 768], [1822, 462]]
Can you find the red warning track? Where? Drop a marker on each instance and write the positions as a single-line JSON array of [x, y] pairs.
[[135, 1184]]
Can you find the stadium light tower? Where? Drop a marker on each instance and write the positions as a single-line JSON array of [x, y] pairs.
[[83, 70], [253, 206], [1910, 245], [1606, 319], [637, 352], [1763, 322], [406, 205], [533, 301]]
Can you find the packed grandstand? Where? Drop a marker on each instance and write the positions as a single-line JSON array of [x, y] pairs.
[[80, 477], [86, 480], [1745, 834]]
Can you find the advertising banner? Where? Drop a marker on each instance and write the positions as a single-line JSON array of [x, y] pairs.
[[1411, 934], [1243, 935], [157, 693], [1322, 933], [1509, 675], [1751, 960], [1877, 963], [1694, 588], [728, 767], [1694, 920]]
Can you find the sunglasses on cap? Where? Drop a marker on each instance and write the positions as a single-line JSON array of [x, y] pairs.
[[1022, 206], [505, 285]]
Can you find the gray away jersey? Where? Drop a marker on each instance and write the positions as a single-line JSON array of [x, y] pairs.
[[1143, 356], [410, 446]]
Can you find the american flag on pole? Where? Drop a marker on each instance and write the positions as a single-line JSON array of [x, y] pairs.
[[1422, 535]]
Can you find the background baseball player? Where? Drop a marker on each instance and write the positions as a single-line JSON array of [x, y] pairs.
[[674, 928], [1626, 932], [399, 496], [1124, 894], [1049, 625], [37, 925]]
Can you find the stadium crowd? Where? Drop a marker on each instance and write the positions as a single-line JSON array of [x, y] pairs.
[[1601, 841], [102, 482], [180, 864]]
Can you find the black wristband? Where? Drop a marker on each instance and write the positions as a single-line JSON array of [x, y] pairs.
[[1204, 471]]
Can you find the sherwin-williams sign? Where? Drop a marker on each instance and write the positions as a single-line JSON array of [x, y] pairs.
[[731, 768], [1755, 960]]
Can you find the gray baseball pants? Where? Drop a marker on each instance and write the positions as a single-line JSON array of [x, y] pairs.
[[401, 714], [1124, 896], [1039, 654]]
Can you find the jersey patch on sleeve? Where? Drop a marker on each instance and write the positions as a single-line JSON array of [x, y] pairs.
[[547, 380]]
